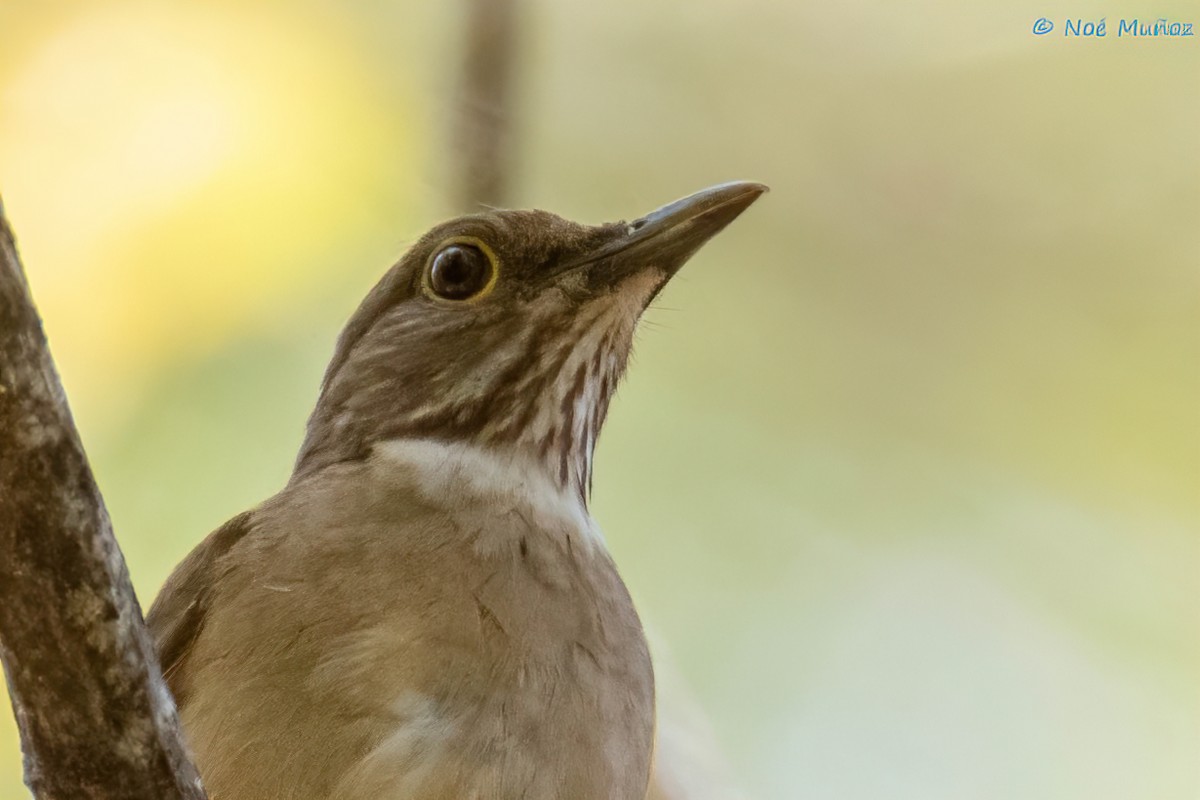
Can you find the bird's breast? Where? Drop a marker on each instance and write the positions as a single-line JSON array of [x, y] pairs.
[[474, 638]]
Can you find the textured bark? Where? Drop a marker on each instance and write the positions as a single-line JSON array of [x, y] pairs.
[[95, 717], [482, 150]]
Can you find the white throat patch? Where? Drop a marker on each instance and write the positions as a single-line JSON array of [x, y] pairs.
[[445, 469]]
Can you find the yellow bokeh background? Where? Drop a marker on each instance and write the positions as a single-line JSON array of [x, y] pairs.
[[907, 469]]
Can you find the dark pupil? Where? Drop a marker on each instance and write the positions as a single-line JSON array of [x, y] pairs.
[[459, 271]]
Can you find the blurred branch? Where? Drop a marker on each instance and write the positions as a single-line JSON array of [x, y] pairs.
[[95, 717], [482, 140]]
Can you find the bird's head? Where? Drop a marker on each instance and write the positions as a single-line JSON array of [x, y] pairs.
[[506, 330]]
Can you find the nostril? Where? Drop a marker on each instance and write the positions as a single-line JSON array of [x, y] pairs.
[[637, 223]]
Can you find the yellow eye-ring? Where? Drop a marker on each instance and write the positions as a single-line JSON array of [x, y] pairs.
[[462, 268]]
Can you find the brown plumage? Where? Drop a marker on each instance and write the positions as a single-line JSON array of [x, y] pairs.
[[427, 611]]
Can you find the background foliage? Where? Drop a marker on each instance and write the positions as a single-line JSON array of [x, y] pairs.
[[906, 472]]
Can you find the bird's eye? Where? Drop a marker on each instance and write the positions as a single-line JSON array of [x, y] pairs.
[[460, 271]]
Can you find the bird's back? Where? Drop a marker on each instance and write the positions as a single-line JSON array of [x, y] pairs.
[[404, 627]]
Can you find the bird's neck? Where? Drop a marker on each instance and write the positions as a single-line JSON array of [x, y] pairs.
[[453, 473], [538, 399], [553, 448]]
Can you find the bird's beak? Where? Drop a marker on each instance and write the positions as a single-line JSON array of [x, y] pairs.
[[665, 239]]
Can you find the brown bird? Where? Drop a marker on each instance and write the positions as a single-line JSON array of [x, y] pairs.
[[427, 611]]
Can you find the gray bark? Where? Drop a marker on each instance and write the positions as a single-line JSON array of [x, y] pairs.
[[95, 716]]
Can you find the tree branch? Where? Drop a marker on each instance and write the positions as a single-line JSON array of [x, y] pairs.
[[95, 716], [482, 142]]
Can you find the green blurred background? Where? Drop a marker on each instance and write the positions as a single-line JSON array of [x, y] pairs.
[[907, 469]]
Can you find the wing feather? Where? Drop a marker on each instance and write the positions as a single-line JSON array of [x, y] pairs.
[[178, 614]]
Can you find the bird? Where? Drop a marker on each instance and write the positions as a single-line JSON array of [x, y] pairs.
[[427, 610]]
